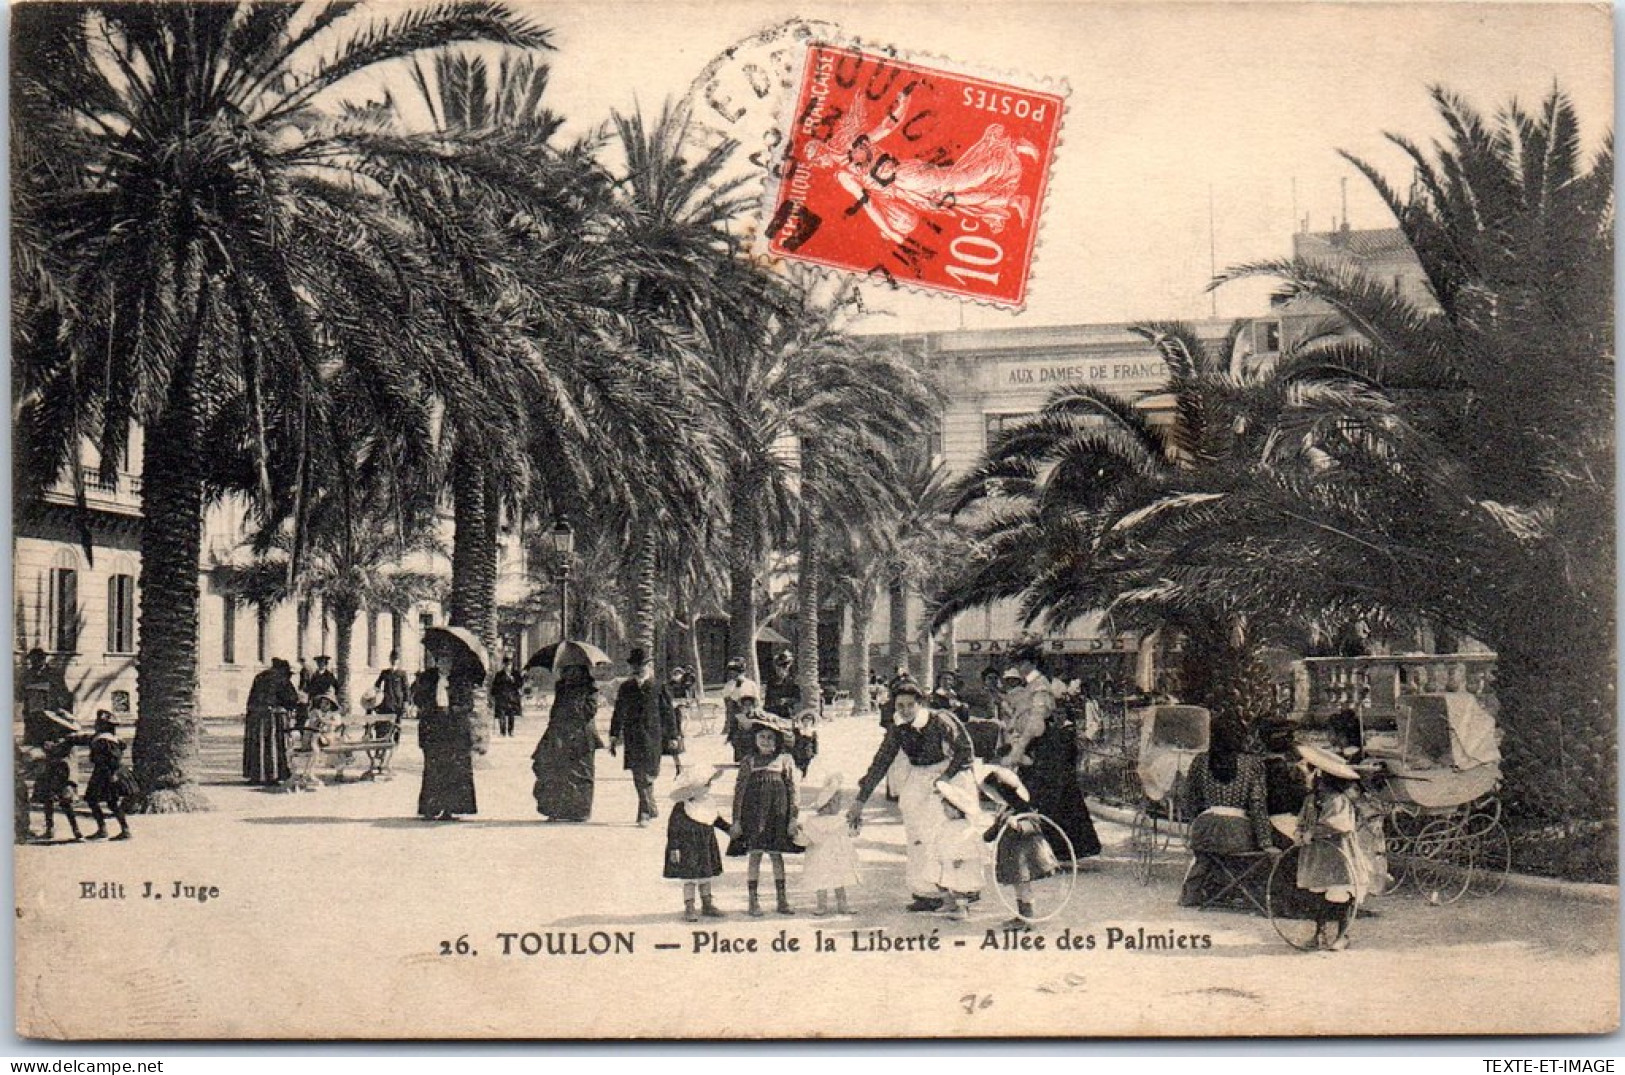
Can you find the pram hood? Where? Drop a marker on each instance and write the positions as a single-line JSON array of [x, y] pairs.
[[1170, 736], [1451, 730]]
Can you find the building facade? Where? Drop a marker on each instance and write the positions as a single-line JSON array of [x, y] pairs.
[[76, 573], [995, 379]]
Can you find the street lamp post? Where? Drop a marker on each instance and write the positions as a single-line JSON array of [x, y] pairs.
[[564, 542]]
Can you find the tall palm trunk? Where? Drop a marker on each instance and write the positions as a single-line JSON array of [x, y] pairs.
[[863, 614], [742, 579], [897, 599], [643, 593], [693, 627], [165, 753], [473, 579], [928, 652], [344, 611], [807, 586]]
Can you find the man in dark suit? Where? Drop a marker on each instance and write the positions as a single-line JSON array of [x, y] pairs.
[[645, 723]]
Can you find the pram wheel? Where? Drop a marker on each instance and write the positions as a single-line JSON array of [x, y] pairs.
[[1143, 844], [1047, 895], [1442, 865], [1492, 855], [1308, 921]]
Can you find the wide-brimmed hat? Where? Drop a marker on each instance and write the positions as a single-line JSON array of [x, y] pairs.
[[964, 801], [691, 787], [769, 722], [62, 719], [1326, 761], [1003, 782], [107, 717], [831, 788], [907, 686], [735, 664]]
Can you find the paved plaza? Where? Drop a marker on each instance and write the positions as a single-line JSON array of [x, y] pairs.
[[338, 912]]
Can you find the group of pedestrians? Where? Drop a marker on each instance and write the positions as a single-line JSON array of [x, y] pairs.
[[43, 770]]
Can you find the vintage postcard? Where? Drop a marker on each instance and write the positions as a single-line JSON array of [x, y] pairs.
[[846, 520]]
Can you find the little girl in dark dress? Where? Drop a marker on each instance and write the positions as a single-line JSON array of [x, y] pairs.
[[110, 779], [765, 810], [692, 854]]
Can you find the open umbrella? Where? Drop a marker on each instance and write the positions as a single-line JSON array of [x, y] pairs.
[[559, 654], [461, 647], [770, 636]]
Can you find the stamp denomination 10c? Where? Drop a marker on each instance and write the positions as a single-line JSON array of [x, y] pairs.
[[923, 177]]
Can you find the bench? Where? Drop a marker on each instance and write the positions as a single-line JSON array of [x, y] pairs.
[[341, 748]]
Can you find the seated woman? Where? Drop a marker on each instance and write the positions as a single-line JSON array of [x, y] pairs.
[[1225, 797]]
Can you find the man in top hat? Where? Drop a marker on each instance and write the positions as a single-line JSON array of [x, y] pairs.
[[936, 747], [645, 722]]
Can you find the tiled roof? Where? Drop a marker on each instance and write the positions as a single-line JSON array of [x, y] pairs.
[[1368, 243]]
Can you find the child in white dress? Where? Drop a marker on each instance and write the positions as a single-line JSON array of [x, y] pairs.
[[960, 848], [832, 860]]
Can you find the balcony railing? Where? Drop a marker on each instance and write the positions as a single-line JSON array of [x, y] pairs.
[[1328, 684], [121, 494]]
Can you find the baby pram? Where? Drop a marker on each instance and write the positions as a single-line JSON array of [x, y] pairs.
[[1170, 737], [1436, 788]]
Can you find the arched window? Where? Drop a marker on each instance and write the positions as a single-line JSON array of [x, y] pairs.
[[64, 602]]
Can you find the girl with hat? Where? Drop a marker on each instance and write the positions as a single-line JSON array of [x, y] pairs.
[[1022, 853], [110, 779], [765, 810], [832, 860], [692, 854], [55, 788], [1335, 862], [960, 848]]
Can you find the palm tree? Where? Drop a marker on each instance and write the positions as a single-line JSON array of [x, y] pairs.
[[377, 506], [672, 216], [1091, 507], [1508, 376], [209, 228], [784, 379]]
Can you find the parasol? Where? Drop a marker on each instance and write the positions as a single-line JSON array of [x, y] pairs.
[[771, 637], [559, 654], [466, 652]]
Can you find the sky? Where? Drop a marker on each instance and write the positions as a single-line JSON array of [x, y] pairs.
[[1174, 108]]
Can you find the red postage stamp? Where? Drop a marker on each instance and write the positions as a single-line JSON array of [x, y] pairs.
[[911, 174]]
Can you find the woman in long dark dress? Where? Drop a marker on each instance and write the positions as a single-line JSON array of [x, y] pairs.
[[447, 742], [272, 700], [563, 760], [1052, 780]]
